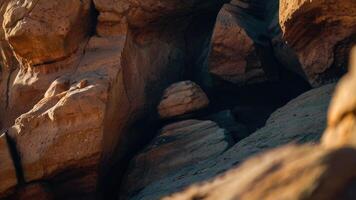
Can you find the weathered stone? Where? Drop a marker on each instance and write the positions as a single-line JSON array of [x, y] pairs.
[[52, 138], [292, 172], [179, 145], [112, 19], [301, 120], [342, 113], [233, 55], [41, 31], [182, 98], [321, 33], [8, 178]]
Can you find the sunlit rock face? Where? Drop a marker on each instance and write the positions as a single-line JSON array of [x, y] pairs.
[[321, 33], [42, 31]]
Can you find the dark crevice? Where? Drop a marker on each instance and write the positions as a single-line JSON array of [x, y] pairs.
[[16, 158], [8, 80]]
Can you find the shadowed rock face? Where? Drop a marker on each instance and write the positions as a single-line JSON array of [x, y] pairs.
[[302, 120], [42, 31], [313, 171], [81, 80]]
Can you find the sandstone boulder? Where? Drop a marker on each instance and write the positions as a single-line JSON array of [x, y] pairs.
[[8, 177], [41, 31], [321, 33], [53, 138], [181, 144], [182, 98], [233, 55]]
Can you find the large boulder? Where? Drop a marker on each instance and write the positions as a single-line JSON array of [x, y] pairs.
[[46, 31], [182, 98], [53, 138], [181, 144], [321, 33]]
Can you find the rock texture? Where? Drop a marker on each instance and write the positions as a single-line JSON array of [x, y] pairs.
[[112, 19], [7, 168], [320, 53], [81, 81], [319, 171], [291, 172], [178, 145], [240, 49], [302, 120], [182, 98], [233, 56], [342, 120]]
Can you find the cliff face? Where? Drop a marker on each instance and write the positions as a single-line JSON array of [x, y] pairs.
[[95, 102]]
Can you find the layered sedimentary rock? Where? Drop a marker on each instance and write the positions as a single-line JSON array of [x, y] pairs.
[[182, 98], [111, 20], [321, 33], [301, 120], [178, 145]]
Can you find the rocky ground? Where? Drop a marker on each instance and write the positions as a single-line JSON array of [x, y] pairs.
[[171, 99]]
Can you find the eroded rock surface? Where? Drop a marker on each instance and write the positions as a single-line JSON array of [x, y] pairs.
[[291, 172], [301, 120], [313, 171], [42, 31], [178, 145], [307, 27], [182, 98]]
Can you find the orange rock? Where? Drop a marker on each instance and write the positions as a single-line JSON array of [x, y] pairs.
[[342, 114], [321, 33], [41, 31], [182, 98]]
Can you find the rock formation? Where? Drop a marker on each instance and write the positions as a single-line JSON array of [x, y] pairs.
[[182, 98], [93, 106], [306, 27]]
